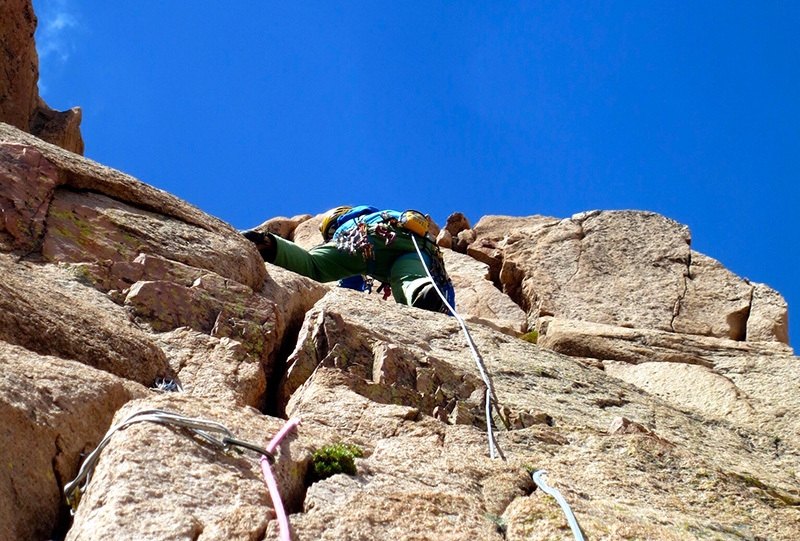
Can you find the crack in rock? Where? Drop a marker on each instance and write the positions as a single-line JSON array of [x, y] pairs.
[[676, 308]]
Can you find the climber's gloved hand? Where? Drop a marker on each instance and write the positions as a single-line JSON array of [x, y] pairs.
[[265, 243]]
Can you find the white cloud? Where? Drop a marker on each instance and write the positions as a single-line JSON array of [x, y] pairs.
[[55, 33]]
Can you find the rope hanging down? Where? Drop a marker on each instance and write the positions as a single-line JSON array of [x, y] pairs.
[[490, 394], [201, 427], [573, 523], [272, 484]]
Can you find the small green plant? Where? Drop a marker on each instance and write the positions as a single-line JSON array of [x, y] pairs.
[[332, 459], [532, 337]]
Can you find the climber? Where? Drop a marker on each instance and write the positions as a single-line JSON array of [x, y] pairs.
[[364, 241]]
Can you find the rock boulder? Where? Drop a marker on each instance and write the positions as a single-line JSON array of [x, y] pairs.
[[625, 268], [51, 412]]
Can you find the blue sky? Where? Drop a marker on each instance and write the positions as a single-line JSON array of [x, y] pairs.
[[251, 110]]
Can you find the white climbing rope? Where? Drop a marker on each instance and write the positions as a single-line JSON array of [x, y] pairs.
[[490, 394], [201, 427], [573, 523]]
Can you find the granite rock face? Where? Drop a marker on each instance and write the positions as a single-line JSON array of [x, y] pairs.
[[18, 84], [51, 411], [662, 397], [402, 386], [154, 482], [624, 268], [20, 104], [111, 286]]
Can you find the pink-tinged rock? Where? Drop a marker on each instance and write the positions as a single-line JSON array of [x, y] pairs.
[[378, 371], [358, 368], [292, 294], [108, 275], [20, 74], [499, 228], [20, 104], [141, 218], [166, 306], [463, 240], [623, 268], [307, 233], [456, 223], [690, 387], [161, 268], [47, 310], [88, 227], [635, 346], [218, 369], [444, 239], [212, 305], [61, 128], [622, 425], [251, 319], [282, 226], [433, 227], [487, 251], [27, 181]]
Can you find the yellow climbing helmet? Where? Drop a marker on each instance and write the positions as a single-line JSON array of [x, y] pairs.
[[330, 222]]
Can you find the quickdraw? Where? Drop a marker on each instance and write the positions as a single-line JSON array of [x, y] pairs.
[[355, 240], [211, 431], [206, 429], [385, 233]]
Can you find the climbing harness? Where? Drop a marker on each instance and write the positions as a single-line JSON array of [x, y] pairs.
[[413, 224], [573, 523], [491, 396], [201, 427]]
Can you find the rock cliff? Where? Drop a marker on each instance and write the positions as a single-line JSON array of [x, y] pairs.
[[662, 397], [657, 388], [20, 103]]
